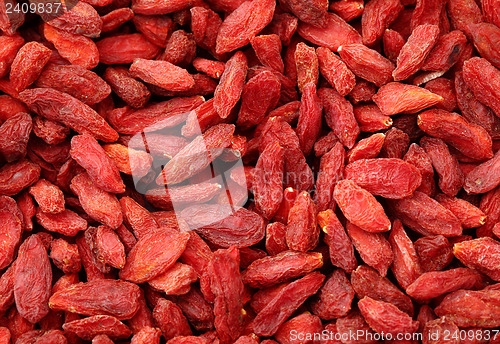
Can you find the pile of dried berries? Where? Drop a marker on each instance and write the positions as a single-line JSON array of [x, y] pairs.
[[230, 171]]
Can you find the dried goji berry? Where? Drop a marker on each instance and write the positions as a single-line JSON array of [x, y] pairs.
[[360, 207], [32, 280], [367, 63]]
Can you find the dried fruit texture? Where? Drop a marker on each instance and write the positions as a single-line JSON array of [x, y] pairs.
[[386, 177], [76, 81], [18, 175], [297, 173], [352, 322], [463, 13], [50, 131], [427, 12], [162, 74], [335, 33], [335, 71], [77, 49], [287, 300], [243, 24], [231, 83], [213, 69], [467, 308], [366, 281], [182, 196], [416, 49], [110, 249], [393, 42], [81, 19], [416, 156], [88, 328], [331, 170], [225, 284], [32, 280], [435, 331], [54, 105], [341, 250], [87, 152], [469, 215], [473, 110], [27, 208], [116, 18], [396, 97], [483, 177], [283, 267], [14, 136], [100, 297], [373, 248], [313, 13], [132, 91], [451, 178], [197, 155], [66, 222], [102, 339], [482, 78], [334, 298], [196, 309], [180, 49], [225, 226], [176, 280], [302, 232], [12, 219], [28, 64], [385, 317], [426, 216], [268, 51], [360, 207], [169, 318], [339, 116], [10, 46], [155, 116], [48, 196], [255, 104], [348, 10], [446, 89], [307, 324], [268, 180], [405, 267], [363, 91], [310, 118], [148, 258], [147, 335], [126, 48], [100, 205], [485, 37], [306, 62], [474, 140], [129, 161], [434, 252], [479, 254], [377, 16], [366, 148], [65, 256], [446, 52], [432, 284], [370, 118], [275, 238], [367, 63]]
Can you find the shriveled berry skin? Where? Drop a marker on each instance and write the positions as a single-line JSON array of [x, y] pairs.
[[265, 171], [386, 177], [360, 207]]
